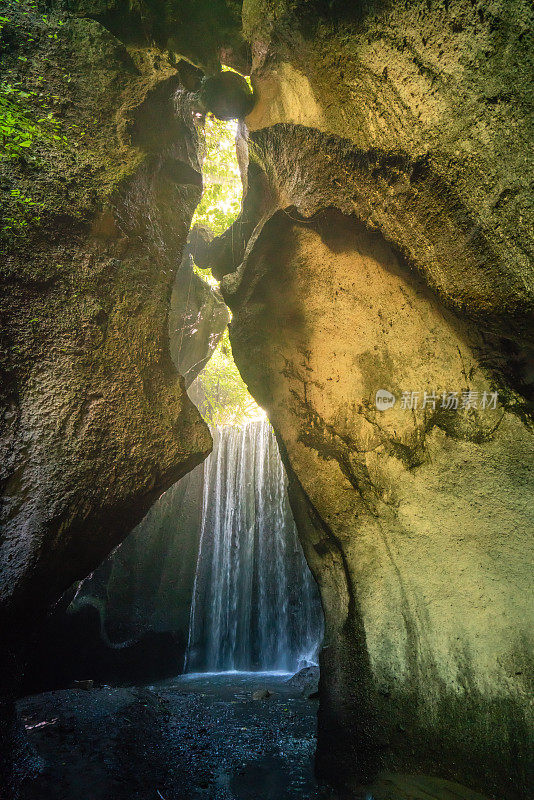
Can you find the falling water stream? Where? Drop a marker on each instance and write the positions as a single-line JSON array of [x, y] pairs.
[[255, 604]]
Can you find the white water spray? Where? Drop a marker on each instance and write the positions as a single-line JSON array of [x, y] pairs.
[[255, 604]]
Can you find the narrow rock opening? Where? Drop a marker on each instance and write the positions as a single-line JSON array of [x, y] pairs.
[[211, 593], [380, 281]]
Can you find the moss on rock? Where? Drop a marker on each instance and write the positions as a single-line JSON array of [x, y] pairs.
[[95, 422]]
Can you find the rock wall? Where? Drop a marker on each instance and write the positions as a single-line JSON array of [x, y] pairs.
[[384, 244], [149, 580], [95, 420], [128, 622], [197, 319]]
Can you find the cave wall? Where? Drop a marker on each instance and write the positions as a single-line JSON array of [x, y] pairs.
[[151, 575], [198, 318], [95, 420], [127, 623], [384, 244]]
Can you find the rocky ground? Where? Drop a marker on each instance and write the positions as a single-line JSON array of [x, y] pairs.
[[189, 739], [226, 737]]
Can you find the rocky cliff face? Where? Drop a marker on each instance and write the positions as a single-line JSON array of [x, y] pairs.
[[384, 245], [197, 319], [147, 584], [95, 419], [128, 622]]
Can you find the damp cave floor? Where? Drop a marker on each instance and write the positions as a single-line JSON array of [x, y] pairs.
[[192, 738]]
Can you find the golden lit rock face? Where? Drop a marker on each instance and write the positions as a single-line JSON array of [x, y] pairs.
[[417, 523], [446, 86], [386, 248]]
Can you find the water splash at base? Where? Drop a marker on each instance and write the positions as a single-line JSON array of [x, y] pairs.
[[255, 603]]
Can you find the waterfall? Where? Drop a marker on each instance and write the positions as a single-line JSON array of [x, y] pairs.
[[255, 604]]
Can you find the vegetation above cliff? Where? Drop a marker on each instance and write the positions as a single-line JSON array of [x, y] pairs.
[[69, 91], [221, 199], [28, 124], [219, 391]]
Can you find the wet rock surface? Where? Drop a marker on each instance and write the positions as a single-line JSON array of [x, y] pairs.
[[197, 320], [127, 623], [96, 421], [192, 739], [199, 737], [383, 246], [394, 507], [306, 680]]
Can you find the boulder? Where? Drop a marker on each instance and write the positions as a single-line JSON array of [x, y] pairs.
[[383, 252], [305, 681], [198, 318], [261, 694]]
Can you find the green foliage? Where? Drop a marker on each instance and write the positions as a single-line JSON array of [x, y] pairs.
[[25, 117], [17, 130], [219, 391], [23, 211], [206, 275], [221, 200]]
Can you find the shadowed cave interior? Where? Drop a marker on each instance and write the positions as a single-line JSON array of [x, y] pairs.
[[266, 399], [212, 585]]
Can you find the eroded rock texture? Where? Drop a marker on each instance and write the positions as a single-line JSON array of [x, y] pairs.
[[198, 317], [147, 584], [128, 622], [95, 420], [384, 245]]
